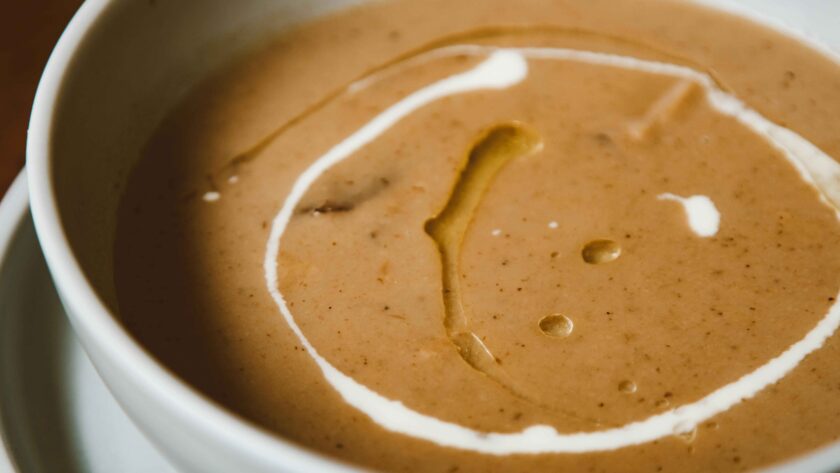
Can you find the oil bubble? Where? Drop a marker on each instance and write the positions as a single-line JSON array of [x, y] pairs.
[[600, 251], [556, 325]]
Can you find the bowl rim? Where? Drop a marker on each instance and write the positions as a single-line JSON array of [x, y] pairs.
[[87, 309]]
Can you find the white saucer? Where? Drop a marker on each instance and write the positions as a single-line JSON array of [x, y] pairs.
[[57, 415]]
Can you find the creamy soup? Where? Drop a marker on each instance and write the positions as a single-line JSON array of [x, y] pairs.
[[503, 236]]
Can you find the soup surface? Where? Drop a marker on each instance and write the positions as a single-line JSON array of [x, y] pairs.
[[503, 236]]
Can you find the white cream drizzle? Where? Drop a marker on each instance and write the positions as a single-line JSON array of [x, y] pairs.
[[211, 196], [506, 67], [703, 216]]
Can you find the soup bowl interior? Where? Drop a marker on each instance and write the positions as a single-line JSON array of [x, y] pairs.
[[118, 69]]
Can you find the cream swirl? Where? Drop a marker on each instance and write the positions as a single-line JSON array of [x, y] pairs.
[[505, 67]]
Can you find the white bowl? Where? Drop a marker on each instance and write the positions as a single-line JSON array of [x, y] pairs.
[[114, 73], [118, 68]]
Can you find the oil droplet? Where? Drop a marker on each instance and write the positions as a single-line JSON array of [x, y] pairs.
[[493, 149], [211, 196], [600, 251], [473, 351], [552, 224], [556, 325], [233, 179], [627, 386]]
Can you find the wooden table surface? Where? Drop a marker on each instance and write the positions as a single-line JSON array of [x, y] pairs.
[[28, 32]]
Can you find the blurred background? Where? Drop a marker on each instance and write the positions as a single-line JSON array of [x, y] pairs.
[[28, 31]]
